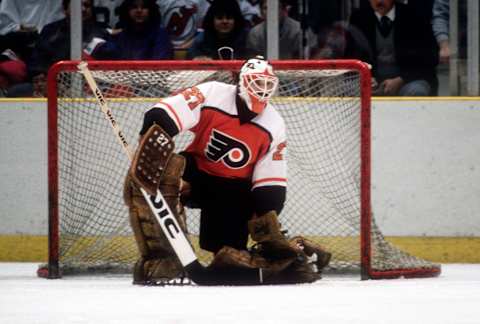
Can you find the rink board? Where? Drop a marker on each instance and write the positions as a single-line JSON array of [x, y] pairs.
[[33, 248]]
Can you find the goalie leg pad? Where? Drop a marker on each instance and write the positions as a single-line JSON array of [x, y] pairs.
[[298, 271], [171, 185], [287, 260], [231, 257], [157, 259], [311, 259], [156, 270], [265, 227], [321, 255], [277, 271], [267, 230], [151, 158]]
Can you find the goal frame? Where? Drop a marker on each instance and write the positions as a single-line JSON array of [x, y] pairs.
[[366, 270]]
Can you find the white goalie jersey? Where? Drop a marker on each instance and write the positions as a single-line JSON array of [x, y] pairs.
[[227, 144]]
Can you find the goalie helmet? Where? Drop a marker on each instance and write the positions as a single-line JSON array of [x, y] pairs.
[[257, 83]]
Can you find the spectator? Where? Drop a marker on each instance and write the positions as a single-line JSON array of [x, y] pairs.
[[324, 19], [182, 19], [21, 21], [341, 41], [404, 49], [224, 33], [251, 12], [440, 27], [323, 14], [106, 12], [28, 15], [141, 37], [422, 7], [290, 34], [54, 45], [12, 71]]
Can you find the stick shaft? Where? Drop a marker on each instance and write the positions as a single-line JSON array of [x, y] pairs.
[[105, 109], [158, 205]]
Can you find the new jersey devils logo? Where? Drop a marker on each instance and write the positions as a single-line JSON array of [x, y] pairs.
[[181, 23], [233, 153]]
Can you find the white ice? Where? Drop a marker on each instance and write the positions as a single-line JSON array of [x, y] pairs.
[[454, 298]]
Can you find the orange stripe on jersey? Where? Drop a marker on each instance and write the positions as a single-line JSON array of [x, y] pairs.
[[270, 180], [177, 119]]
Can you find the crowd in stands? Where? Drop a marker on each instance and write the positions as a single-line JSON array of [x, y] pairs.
[[403, 42], [223, 35]]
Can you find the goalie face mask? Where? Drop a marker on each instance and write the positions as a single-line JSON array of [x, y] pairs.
[[257, 83]]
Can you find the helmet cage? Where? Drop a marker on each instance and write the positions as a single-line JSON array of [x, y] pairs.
[[260, 86], [257, 83]]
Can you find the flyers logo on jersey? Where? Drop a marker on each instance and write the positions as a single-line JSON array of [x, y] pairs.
[[232, 152]]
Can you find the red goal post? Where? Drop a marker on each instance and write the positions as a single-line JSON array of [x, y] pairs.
[[326, 106]]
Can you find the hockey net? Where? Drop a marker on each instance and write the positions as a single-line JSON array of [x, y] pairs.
[[326, 107]]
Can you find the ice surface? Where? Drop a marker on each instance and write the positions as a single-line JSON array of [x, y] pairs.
[[454, 297]]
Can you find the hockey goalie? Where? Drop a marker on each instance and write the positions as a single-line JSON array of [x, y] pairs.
[[234, 171]]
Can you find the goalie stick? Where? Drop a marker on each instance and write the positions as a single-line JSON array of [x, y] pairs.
[[168, 223]]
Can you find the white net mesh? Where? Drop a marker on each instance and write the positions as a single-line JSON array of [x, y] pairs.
[[322, 113]]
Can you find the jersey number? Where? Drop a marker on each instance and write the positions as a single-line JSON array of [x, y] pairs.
[[278, 155], [193, 96]]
